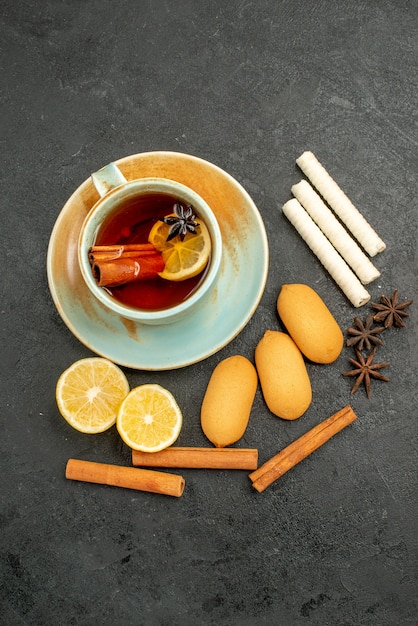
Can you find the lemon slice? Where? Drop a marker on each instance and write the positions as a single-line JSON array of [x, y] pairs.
[[149, 418], [89, 394], [183, 259]]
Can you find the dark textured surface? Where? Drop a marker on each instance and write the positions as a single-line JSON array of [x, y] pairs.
[[248, 86]]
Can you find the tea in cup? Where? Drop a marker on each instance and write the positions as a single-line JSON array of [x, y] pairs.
[[141, 244]]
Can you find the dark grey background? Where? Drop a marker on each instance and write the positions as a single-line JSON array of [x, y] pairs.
[[248, 86]]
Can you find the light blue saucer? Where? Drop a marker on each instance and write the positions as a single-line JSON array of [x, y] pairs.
[[208, 328]]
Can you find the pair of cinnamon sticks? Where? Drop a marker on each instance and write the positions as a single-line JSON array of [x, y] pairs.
[[208, 458], [161, 482], [116, 265]]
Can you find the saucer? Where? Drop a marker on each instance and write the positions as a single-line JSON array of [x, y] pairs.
[[217, 319]]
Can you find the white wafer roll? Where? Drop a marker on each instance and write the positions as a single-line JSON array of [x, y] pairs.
[[340, 203], [335, 232], [326, 253]]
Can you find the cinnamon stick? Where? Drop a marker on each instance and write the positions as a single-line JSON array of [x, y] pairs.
[[125, 247], [113, 273], [127, 477], [116, 251], [290, 456], [198, 458], [111, 255]]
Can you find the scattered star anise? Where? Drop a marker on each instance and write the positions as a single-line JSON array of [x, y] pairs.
[[363, 336], [365, 370], [390, 311], [183, 222]]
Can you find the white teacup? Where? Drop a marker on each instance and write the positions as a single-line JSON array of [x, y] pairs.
[[115, 192]]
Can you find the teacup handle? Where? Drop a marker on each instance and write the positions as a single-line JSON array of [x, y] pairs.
[[107, 178]]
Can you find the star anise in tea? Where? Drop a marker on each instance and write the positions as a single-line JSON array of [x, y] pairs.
[[364, 335], [183, 222], [365, 370], [390, 311]]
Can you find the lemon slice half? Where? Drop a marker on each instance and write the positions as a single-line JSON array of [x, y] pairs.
[[183, 259], [89, 394], [149, 418]]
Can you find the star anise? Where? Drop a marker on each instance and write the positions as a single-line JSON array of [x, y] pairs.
[[183, 222], [363, 336], [390, 311], [365, 370]]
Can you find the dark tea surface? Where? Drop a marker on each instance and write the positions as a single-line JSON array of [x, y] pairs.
[[131, 224]]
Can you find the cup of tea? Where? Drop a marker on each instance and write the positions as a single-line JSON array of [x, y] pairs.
[[130, 275]]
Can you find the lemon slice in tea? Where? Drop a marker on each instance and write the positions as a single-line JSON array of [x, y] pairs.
[[183, 258], [89, 394], [149, 418]]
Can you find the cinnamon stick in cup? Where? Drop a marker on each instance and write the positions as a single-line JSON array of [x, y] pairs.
[[294, 453], [116, 251], [198, 458], [127, 477], [123, 270]]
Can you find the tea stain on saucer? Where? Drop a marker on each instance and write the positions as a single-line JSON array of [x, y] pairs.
[[131, 327]]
